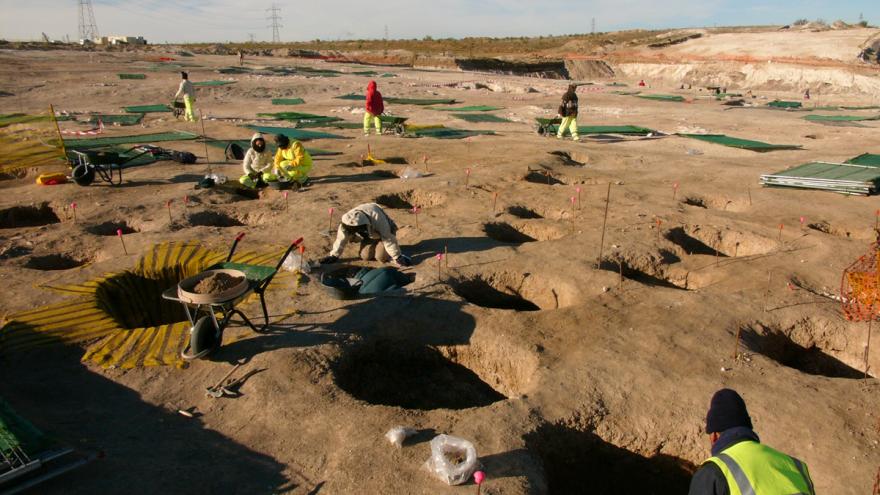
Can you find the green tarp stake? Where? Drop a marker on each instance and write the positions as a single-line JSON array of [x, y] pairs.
[[741, 143], [675, 98], [132, 119], [298, 134], [139, 139], [147, 109], [840, 118], [287, 101], [473, 108], [132, 76], [480, 117]]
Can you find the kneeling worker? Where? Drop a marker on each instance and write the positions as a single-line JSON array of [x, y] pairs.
[[376, 231], [257, 163], [740, 463], [292, 161]]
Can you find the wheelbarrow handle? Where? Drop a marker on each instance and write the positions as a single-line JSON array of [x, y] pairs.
[[238, 238], [290, 248]]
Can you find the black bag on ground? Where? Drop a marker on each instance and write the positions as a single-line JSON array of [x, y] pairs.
[[183, 157], [234, 152]]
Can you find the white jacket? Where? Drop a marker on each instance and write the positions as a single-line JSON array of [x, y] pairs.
[[379, 226], [187, 89], [255, 162]]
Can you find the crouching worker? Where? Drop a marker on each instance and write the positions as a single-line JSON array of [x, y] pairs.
[[257, 164], [292, 161], [376, 232]]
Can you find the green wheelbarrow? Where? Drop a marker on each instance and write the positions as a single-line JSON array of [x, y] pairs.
[[547, 127], [206, 333]]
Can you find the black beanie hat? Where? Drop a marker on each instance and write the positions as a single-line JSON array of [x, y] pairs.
[[727, 410], [282, 140]]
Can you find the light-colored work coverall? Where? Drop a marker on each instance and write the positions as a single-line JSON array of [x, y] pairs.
[[382, 243], [256, 164], [189, 98]]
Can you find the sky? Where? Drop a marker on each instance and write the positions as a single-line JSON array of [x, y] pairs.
[[235, 20]]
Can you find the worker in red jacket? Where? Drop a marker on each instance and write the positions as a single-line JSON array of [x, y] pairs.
[[375, 107]]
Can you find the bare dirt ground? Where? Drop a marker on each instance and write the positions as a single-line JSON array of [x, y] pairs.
[[591, 383]]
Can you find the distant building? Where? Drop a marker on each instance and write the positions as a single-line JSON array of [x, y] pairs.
[[121, 40]]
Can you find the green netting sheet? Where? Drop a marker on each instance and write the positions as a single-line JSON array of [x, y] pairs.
[[132, 119], [480, 117], [245, 144], [20, 118], [288, 101], [867, 160], [213, 83], [785, 104], [401, 101], [138, 139], [147, 109], [741, 143], [676, 98], [132, 76], [840, 118], [16, 431], [626, 93], [298, 134], [448, 133], [472, 108], [600, 129]]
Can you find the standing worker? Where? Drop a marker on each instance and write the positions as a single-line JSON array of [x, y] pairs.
[[376, 231], [240, 58], [568, 110], [189, 96], [375, 107], [740, 464], [257, 164], [292, 161]]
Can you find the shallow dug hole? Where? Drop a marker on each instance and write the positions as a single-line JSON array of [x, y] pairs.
[[408, 200], [574, 460], [513, 291], [213, 219], [726, 241], [542, 177], [54, 262], [111, 228], [134, 300], [403, 374], [523, 232], [780, 346], [27, 216], [520, 211]]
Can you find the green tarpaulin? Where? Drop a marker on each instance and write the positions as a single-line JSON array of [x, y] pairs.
[[675, 98], [473, 108], [870, 107], [480, 117], [600, 129], [617, 85], [132, 76], [147, 109], [138, 139], [213, 83], [867, 160], [846, 178], [741, 143], [785, 104], [287, 101], [298, 134], [20, 118], [388, 74], [840, 118], [401, 101], [626, 93], [447, 133], [18, 433], [365, 73], [234, 70], [132, 119], [245, 144]]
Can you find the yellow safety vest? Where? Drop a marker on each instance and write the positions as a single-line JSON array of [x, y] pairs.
[[752, 468]]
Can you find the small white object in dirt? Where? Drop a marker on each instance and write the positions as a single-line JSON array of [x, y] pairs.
[[185, 413], [293, 262], [453, 460], [723, 369], [410, 173], [694, 152], [605, 289], [398, 434]]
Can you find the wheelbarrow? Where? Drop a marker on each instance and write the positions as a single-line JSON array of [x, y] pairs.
[[206, 333], [178, 108], [393, 125], [548, 127], [88, 164]]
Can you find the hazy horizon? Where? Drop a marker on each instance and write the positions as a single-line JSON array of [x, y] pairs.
[[224, 21]]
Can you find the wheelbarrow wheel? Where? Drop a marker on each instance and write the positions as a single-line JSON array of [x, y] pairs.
[[399, 130], [204, 338]]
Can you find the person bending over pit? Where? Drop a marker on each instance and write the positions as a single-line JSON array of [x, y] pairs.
[[376, 231], [374, 108], [568, 110], [740, 463], [257, 164], [292, 162], [189, 96]]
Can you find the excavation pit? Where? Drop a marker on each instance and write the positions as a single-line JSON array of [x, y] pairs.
[[110, 228], [694, 201], [690, 245], [408, 200], [523, 212], [574, 459], [411, 376], [27, 216], [53, 262], [640, 273], [779, 346], [213, 219], [134, 300], [546, 178], [506, 233], [730, 242], [513, 291]]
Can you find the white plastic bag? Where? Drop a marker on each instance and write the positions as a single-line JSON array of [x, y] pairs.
[[398, 434], [293, 262], [453, 459], [410, 173]]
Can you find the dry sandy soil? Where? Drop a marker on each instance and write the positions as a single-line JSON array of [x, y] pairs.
[[602, 388]]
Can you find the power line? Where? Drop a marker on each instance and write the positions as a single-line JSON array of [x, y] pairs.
[[276, 22], [88, 28]]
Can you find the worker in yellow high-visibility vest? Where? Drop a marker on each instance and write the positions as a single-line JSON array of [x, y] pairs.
[[740, 463]]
